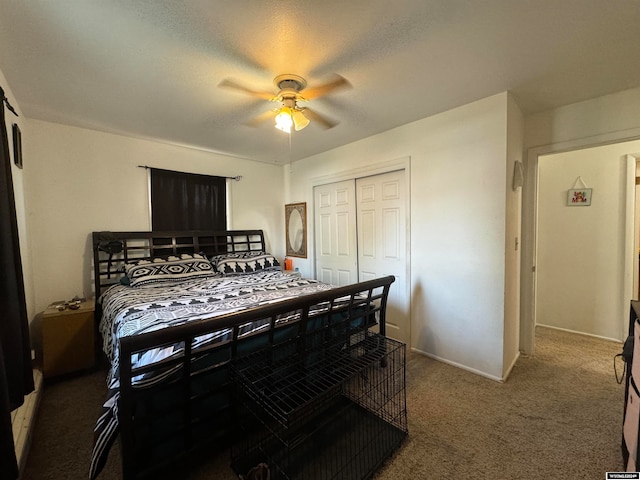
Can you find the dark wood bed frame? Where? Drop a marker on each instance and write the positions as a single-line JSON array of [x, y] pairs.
[[197, 402], [145, 245]]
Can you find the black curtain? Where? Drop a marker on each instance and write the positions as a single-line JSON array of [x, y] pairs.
[[16, 375], [187, 201]]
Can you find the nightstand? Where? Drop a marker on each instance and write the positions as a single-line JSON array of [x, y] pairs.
[[68, 339]]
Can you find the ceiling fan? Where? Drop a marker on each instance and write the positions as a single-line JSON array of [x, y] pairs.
[[290, 92]]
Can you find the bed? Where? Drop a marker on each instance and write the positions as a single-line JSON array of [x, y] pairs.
[[176, 310]]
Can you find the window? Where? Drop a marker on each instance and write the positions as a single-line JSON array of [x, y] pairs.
[[187, 201]]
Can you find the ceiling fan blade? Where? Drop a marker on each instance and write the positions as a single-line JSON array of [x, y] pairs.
[[260, 119], [335, 84], [321, 120], [226, 83]]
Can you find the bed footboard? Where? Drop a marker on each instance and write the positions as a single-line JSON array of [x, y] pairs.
[[174, 408]]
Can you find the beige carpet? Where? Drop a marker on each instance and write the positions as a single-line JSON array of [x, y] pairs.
[[558, 416]]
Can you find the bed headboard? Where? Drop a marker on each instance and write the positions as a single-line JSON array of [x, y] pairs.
[[111, 250]]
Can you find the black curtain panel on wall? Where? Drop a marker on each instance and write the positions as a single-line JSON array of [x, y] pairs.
[[16, 375], [187, 201]]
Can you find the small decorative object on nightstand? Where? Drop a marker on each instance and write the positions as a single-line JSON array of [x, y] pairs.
[[68, 337]]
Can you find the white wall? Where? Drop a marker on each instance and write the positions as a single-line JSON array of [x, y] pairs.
[[611, 115], [458, 224], [603, 120], [18, 176], [636, 237], [513, 222], [81, 181], [581, 254]]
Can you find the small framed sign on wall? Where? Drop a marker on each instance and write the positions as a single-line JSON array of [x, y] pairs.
[[579, 197], [17, 145]]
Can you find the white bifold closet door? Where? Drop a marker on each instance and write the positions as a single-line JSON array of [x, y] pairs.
[[360, 231], [335, 231]]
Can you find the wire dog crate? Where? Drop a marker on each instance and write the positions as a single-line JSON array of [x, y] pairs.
[[316, 409]]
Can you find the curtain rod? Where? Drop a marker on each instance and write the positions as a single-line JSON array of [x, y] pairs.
[[237, 178], [6, 102]]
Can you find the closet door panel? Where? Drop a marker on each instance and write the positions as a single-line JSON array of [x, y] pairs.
[[391, 225], [382, 244], [326, 275], [367, 226], [344, 231], [335, 233], [323, 236]]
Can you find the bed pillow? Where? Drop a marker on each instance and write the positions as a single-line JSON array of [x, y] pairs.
[[241, 264], [173, 269], [234, 255]]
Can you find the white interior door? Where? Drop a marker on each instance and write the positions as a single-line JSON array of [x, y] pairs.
[[335, 233], [382, 243]]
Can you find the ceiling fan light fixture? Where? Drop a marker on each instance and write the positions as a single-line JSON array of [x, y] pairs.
[[299, 120], [284, 120], [291, 89]]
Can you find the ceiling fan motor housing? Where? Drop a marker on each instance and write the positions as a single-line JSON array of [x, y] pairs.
[[289, 101], [290, 82]]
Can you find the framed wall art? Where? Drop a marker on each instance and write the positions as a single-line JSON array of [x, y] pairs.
[[295, 216], [17, 145], [579, 197]]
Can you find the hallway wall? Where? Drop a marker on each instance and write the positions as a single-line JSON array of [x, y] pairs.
[[581, 258]]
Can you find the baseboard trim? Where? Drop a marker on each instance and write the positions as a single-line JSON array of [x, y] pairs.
[[458, 365], [609, 339], [23, 421], [513, 364]]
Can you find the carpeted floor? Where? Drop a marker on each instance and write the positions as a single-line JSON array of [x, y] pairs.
[[558, 416]]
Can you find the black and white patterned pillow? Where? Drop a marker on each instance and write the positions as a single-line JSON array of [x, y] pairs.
[[234, 255], [174, 269], [239, 264]]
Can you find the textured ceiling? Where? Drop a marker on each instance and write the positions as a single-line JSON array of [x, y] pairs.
[[151, 68]]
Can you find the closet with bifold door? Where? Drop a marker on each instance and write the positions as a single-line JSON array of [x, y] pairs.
[[361, 227]]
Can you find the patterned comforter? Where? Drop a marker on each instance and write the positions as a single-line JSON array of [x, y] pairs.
[[134, 310]]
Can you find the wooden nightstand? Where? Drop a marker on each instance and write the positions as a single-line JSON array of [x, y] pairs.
[[68, 340]]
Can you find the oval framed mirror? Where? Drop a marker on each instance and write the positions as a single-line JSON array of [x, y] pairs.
[[295, 217]]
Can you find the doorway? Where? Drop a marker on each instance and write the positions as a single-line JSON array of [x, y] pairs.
[[583, 270]]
